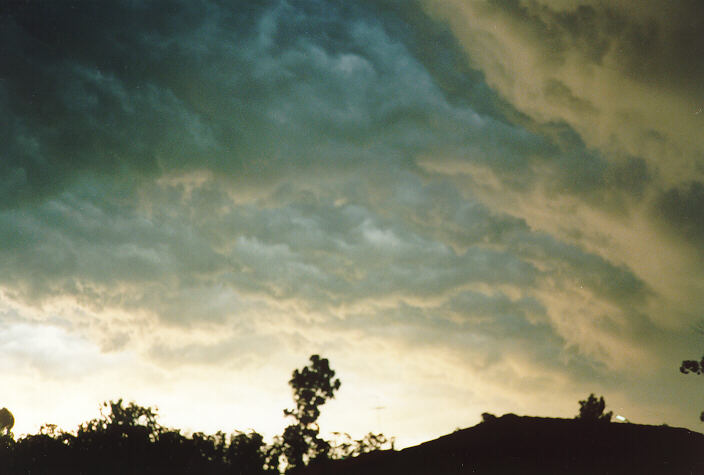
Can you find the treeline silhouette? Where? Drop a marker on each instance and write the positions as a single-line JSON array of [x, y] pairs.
[[128, 439]]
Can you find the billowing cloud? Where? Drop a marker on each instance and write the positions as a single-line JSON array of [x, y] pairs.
[[622, 77], [615, 88]]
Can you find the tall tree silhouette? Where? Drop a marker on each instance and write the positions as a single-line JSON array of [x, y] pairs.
[[312, 387]]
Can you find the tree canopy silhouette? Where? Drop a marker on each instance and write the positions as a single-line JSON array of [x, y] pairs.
[[592, 409], [128, 438], [7, 421]]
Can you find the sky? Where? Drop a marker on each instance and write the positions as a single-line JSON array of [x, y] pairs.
[[467, 206]]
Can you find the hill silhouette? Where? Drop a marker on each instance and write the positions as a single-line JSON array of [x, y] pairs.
[[128, 439], [536, 445]]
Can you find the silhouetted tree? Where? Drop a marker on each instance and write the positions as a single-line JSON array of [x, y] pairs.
[[122, 438], [7, 421], [592, 409], [312, 387], [695, 367], [247, 455], [40, 452]]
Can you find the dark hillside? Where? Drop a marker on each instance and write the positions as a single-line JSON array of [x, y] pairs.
[[513, 444]]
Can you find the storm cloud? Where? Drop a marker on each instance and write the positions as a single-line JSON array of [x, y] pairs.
[[487, 201]]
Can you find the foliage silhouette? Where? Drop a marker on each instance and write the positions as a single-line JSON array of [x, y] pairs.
[[7, 421], [127, 439], [344, 446], [695, 367], [592, 409], [312, 387]]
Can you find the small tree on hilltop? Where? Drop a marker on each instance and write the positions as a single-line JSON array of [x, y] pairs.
[[488, 417], [592, 409]]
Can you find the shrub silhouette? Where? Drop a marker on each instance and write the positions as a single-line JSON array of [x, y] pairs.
[[344, 446], [592, 409]]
